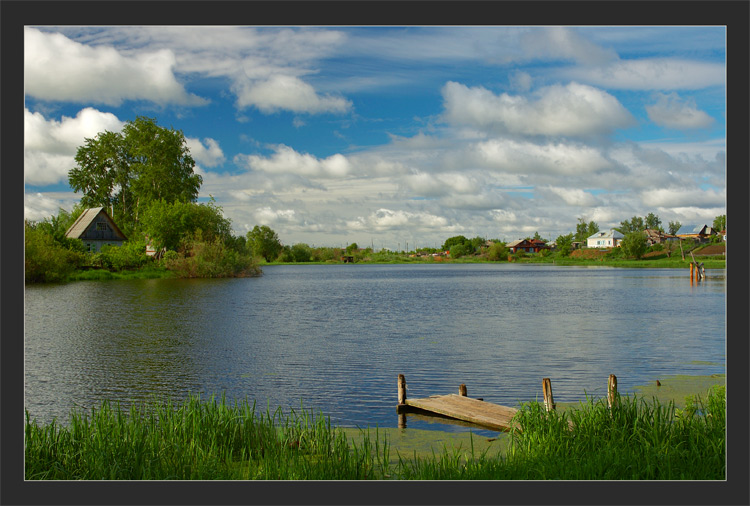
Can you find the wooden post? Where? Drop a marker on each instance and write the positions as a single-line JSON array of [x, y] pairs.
[[462, 390], [691, 271], [401, 407], [547, 392], [612, 390], [402, 420]]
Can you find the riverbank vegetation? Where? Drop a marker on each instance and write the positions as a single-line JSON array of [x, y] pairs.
[[213, 439]]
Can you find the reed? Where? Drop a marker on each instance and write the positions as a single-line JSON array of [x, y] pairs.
[[212, 439]]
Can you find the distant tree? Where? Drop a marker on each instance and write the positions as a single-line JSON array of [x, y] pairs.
[[635, 224], [264, 242], [460, 250], [476, 244], [497, 251], [538, 237], [720, 223], [634, 244], [653, 222], [674, 226], [301, 252], [452, 241], [585, 230], [352, 248], [565, 244], [168, 224]]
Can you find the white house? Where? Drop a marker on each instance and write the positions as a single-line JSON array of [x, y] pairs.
[[608, 239]]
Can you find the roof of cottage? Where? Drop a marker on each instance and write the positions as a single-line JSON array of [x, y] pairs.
[[79, 227]]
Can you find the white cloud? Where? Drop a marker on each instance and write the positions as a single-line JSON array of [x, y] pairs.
[[652, 74], [289, 93], [570, 196], [564, 43], [38, 206], [522, 157], [389, 219], [683, 198], [57, 68], [208, 154], [50, 146], [672, 112], [287, 160], [431, 185], [575, 110]]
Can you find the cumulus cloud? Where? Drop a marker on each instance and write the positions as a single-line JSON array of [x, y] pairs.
[[432, 185], [38, 206], [287, 92], [575, 110], [287, 160], [652, 74], [50, 146], [57, 68], [523, 157], [672, 112], [208, 154], [384, 220]]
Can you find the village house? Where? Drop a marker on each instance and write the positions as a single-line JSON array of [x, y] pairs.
[[654, 236], [608, 239], [527, 245], [700, 232], [95, 228]]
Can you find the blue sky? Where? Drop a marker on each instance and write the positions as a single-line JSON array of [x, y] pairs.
[[389, 135]]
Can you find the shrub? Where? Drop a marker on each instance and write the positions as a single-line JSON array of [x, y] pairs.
[[459, 250], [497, 252], [301, 252], [45, 260], [209, 259], [131, 255]]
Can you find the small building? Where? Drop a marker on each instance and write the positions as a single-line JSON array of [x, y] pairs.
[[655, 236], [699, 232], [95, 228], [609, 239], [527, 245]]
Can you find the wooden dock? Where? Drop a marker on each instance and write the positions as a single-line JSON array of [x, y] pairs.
[[486, 414], [476, 411]]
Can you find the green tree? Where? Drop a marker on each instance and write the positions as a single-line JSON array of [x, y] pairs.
[[565, 244], [653, 222], [634, 225], [497, 251], [45, 260], [674, 226], [125, 172], [167, 224], [262, 241], [634, 244], [352, 248], [585, 230], [301, 252], [452, 241], [720, 223], [460, 250]]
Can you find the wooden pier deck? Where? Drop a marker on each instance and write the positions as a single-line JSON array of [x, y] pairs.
[[486, 414]]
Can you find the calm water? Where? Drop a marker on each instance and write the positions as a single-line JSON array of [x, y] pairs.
[[334, 338]]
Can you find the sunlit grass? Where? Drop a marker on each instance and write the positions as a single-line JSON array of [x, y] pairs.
[[202, 440]]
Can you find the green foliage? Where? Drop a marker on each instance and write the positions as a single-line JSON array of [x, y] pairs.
[[460, 250], [129, 170], [131, 255], [352, 248], [564, 244], [585, 230], [674, 226], [208, 258], [452, 241], [497, 252], [720, 223], [57, 226], [634, 244], [652, 221], [635, 224], [45, 259], [264, 242], [169, 223], [301, 252]]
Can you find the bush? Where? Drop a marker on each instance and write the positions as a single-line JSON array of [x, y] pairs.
[[131, 255], [459, 250], [634, 244], [45, 260], [209, 259], [301, 253], [497, 252]]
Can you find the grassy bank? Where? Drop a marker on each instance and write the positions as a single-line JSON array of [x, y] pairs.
[[215, 440]]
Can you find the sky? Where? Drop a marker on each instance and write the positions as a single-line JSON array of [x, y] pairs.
[[396, 137]]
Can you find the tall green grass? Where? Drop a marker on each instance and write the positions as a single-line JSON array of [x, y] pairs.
[[635, 440]]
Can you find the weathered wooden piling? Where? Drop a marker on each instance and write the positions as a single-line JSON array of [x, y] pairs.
[[462, 390], [549, 403], [612, 391], [401, 394]]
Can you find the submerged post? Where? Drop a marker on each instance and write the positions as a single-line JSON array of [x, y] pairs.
[[462, 390], [611, 391], [549, 403]]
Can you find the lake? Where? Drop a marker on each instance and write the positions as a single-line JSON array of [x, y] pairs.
[[333, 338]]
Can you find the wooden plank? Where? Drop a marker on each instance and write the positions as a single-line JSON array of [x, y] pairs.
[[482, 413]]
